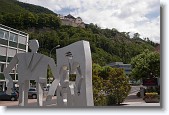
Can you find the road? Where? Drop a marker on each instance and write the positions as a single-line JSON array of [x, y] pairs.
[[133, 93], [134, 90], [132, 97]]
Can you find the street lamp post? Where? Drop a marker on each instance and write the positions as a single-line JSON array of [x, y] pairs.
[[53, 49]]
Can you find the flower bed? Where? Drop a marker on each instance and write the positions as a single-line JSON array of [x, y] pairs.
[[152, 97]]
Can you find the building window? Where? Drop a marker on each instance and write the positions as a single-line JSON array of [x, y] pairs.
[[21, 51], [4, 34], [3, 41], [2, 58], [21, 46], [22, 39], [1, 34], [12, 44], [13, 37], [9, 59], [1, 78], [11, 52], [2, 67], [3, 51]]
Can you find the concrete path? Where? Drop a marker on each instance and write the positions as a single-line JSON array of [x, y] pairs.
[[133, 100]]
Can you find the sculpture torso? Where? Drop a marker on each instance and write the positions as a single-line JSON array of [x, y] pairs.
[[32, 66]]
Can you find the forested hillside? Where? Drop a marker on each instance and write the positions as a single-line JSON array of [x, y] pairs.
[[14, 6], [107, 45]]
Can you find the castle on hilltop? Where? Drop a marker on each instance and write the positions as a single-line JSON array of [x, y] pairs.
[[69, 20]]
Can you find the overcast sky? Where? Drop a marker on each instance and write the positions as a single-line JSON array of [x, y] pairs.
[[135, 16]]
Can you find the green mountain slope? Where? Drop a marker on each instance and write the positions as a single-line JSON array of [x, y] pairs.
[[14, 6], [35, 8], [10, 6]]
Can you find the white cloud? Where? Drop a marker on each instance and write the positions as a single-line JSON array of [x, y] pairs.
[[141, 16]]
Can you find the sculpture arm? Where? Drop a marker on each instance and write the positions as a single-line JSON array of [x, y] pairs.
[[79, 84], [7, 70], [55, 83], [53, 68]]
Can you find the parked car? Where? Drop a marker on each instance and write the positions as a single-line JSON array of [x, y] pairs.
[[12, 97], [32, 93]]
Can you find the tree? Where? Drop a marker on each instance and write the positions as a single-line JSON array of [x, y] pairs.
[[136, 36], [98, 87], [1, 18], [116, 85], [110, 85], [146, 65], [29, 20]]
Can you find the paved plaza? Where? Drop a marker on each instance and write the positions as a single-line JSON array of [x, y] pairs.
[[132, 100]]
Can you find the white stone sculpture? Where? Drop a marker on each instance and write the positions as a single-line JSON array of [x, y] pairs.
[[73, 59], [31, 66]]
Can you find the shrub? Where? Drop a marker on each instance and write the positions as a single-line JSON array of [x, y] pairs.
[[111, 100], [110, 85], [116, 85]]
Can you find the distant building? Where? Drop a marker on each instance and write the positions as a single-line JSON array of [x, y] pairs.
[[12, 41], [69, 20], [127, 67]]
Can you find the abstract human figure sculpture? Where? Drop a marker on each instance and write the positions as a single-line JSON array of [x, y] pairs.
[[73, 59], [31, 66]]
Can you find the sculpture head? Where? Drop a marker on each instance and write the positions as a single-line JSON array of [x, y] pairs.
[[34, 45]]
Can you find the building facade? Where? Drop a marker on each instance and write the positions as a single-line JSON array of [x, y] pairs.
[[127, 67], [12, 41]]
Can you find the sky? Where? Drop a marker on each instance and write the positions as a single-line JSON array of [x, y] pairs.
[[134, 16]]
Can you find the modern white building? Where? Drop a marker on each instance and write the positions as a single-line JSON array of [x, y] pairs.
[[127, 67], [12, 41]]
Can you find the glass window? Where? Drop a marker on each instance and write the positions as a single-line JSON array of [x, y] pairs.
[[6, 35], [11, 52], [2, 58], [3, 41], [21, 46], [1, 67], [21, 51], [1, 34], [22, 39], [12, 44], [3, 51], [9, 59], [13, 37]]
